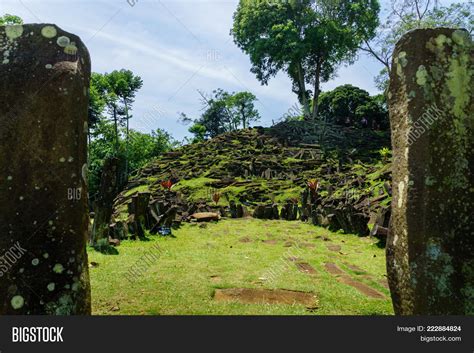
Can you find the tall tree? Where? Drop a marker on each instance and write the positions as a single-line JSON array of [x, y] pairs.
[[116, 91], [308, 39], [97, 101], [222, 112], [242, 109], [406, 15], [123, 86]]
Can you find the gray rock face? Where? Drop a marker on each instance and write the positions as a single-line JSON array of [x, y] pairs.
[[430, 248], [44, 80]]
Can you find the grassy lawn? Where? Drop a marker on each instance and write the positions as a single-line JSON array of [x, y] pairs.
[[180, 275]]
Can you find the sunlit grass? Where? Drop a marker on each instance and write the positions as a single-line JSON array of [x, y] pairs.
[[181, 277]]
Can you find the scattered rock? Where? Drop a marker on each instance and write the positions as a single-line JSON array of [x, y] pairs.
[[114, 242], [206, 216]]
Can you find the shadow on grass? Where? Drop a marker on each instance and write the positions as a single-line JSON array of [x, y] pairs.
[[106, 249], [382, 243]]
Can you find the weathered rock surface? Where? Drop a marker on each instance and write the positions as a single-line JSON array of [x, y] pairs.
[[44, 80], [430, 249], [103, 205]]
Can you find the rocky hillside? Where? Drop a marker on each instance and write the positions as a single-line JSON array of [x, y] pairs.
[[331, 176]]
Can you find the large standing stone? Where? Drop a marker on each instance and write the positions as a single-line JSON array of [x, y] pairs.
[[44, 80], [430, 251], [109, 188]]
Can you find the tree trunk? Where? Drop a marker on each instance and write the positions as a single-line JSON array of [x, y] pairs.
[[302, 88], [128, 135], [116, 131], [317, 91]]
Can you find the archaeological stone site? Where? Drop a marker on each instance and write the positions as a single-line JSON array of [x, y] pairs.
[[258, 171]]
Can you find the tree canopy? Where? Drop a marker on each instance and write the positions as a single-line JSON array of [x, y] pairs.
[[142, 147], [111, 100], [115, 91], [348, 105], [222, 112], [307, 39], [407, 15], [8, 19]]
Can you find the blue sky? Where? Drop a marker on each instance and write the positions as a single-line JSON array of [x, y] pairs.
[[177, 47]]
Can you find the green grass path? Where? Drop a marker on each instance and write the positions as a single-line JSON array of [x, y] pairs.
[[180, 275]]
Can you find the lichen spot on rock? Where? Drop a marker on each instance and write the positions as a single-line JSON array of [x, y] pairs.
[[401, 188], [49, 32], [421, 75], [402, 58], [84, 172], [63, 41], [71, 49], [440, 40], [48, 66], [14, 31], [17, 302], [460, 37], [51, 286], [58, 268]]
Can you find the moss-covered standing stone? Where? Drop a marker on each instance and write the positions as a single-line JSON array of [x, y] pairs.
[[44, 80], [430, 249]]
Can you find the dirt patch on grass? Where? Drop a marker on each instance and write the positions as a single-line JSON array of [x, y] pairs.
[[268, 296], [307, 245], [293, 258], [384, 283], [333, 269], [305, 268], [215, 278], [271, 241], [245, 240], [322, 237], [334, 247], [343, 277], [355, 268]]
